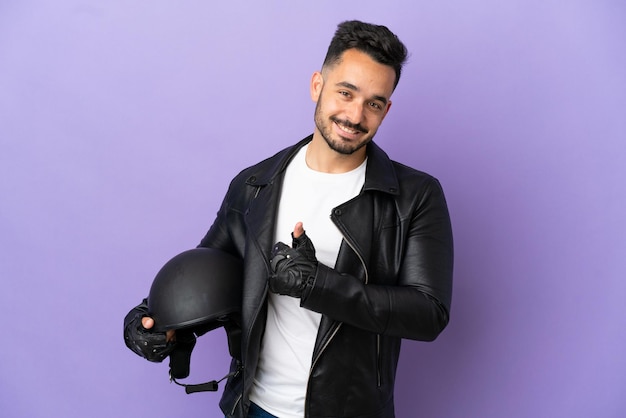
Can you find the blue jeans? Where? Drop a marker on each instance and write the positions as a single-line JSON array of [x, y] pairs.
[[257, 412]]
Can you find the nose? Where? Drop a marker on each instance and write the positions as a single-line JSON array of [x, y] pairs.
[[354, 112]]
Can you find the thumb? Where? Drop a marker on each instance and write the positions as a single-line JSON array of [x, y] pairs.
[[302, 243], [147, 322], [298, 230]]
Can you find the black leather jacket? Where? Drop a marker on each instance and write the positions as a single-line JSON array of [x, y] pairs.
[[392, 280]]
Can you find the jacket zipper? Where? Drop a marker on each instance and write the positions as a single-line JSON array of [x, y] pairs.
[[360, 259], [339, 326], [378, 361], [256, 314], [378, 355], [232, 411]]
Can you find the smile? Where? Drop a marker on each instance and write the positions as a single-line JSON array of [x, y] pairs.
[[347, 130]]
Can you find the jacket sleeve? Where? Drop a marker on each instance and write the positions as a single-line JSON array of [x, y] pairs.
[[227, 229], [416, 303]]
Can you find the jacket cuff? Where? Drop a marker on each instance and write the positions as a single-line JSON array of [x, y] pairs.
[[315, 287]]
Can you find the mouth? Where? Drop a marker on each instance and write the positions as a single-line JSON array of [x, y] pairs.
[[346, 129], [349, 129]]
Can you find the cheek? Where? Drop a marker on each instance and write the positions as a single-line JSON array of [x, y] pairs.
[[326, 107], [334, 106], [373, 121]]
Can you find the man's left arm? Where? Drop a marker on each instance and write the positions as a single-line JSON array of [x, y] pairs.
[[417, 306]]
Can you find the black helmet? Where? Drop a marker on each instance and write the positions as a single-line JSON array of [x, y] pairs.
[[198, 288], [195, 292]]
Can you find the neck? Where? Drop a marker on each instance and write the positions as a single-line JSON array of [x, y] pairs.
[[320, 157]]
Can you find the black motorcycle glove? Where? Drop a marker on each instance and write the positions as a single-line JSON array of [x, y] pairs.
[[148, 344], [293, 268]]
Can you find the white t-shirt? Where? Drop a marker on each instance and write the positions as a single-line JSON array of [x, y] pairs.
[[308, 196]]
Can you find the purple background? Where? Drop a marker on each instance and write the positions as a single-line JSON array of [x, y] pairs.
[[122, 122]]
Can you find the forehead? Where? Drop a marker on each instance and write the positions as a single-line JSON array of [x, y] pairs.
[[361, 70]]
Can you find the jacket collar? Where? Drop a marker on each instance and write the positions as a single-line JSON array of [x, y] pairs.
[[380, 174]]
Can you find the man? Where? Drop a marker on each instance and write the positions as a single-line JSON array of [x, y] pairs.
[[322, 319]]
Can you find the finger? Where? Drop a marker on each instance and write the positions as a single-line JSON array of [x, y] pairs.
[[170, 335], [277, 248], [298, 230], [147, 322], [279, 253]]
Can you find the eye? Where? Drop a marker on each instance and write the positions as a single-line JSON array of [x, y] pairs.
[[344, 93], [375, 105]]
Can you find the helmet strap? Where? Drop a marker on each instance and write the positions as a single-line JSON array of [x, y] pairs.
[[211, 386]]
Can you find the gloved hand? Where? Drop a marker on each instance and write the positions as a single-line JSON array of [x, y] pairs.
[[293, 268], [152, 346]]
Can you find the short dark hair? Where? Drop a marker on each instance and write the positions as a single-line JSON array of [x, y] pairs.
[[377, 41]]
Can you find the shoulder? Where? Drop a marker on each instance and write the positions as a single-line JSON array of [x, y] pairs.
[[412, 177], [392, 176], [266, 170]]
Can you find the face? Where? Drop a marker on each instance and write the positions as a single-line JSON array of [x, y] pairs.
[[353, 97]]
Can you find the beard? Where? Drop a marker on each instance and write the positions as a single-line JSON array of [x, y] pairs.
[[340, 145]]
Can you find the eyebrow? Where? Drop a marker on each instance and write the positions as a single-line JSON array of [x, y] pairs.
[[355, 88]]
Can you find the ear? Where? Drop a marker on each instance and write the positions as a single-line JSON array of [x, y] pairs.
[[317, 82], [387, 109]]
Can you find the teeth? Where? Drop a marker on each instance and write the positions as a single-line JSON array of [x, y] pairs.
[[346, 129]]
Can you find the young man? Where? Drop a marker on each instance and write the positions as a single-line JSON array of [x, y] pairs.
[[322, 319]]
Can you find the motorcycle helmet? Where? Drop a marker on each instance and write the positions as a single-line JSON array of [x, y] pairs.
[[195, 292]]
